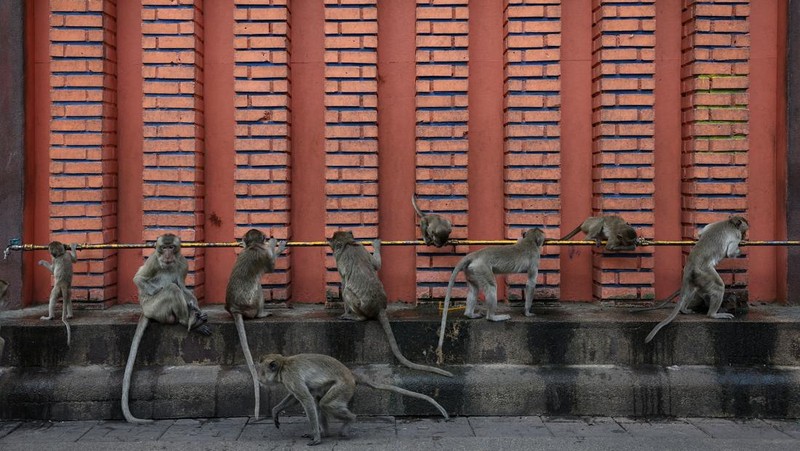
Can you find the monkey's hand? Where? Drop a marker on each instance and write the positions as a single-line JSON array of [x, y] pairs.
[[203, 329], [73, 247], [201, 316], [42, 263], [376, 244]]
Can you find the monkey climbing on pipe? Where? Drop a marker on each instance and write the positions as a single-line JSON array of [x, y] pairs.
[[324, 387], [161, 282], [620, 235], [244, 297], [702, 284], [435, 229], [480, 268], [362, 291], [61, 268]]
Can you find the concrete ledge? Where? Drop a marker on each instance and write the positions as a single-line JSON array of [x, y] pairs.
[[92, 392], [565, 334]]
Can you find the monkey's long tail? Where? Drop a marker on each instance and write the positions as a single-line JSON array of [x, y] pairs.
[[671, 316], [456, 270], [659, 306], [237, 317], [403, 391], [126, 379], [414, 203], [384, 320], [64, 320], [571, 234]]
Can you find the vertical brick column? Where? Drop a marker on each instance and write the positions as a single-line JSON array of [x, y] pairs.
[[262, 127], [351, 122], [173, 179], [83, 166], [623, 129], [532, 131], [715, 78], [442, 55]]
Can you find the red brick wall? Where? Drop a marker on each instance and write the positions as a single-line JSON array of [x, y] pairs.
[[479, 118]]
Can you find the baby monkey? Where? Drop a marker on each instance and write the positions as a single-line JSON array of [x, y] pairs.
[[435, 229], [62, 272], [620, 235], [324, 387]]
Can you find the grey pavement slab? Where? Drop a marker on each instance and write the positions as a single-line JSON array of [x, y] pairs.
[[789, 427], [584, 427], [530, 426], [47, 432], [215, 429], [661, 429], [411, 428], [7, 427], [738, 429], [116, 431]]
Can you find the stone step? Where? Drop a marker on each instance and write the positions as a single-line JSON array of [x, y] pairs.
[[191, 391], [565, 334]]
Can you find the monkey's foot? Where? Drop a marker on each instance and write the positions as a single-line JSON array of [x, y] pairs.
[[352, 317], [46, 317], [473, 315], [314, 440], [529, 314], [498, 318], [203, 329], [201, 316], [69, 316], [263, 315], [722, 316]]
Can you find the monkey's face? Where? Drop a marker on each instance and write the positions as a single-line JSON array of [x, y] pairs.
[[628, 237], [254, 236], [740, 223], [56, 249], [168, 248], [341, 239]]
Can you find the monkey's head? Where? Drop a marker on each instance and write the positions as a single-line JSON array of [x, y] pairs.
[[168, 248], [341, 238], [269, 367], [627, 237], [534, 235], [254, 237], [56, 248], [740, 223]]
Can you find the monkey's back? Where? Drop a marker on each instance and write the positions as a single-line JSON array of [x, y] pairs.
[[320, 371], [242, 291], [355, 264]]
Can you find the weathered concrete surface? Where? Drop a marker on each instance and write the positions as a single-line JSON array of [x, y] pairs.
[[569, 360]]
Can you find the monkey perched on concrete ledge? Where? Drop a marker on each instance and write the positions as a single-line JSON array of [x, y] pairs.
[[324, 387], [62, 272], [701, 283], [244, 297], [480, 268], [435, 229], [164, 298], [620, 235], [362, 291]]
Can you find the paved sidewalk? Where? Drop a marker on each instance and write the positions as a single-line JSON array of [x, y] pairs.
[[502, 433]]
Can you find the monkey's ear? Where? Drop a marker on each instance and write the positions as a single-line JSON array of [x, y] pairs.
[[737, 220]]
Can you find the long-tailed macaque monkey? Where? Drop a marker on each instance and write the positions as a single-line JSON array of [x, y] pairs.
[[3, 291], [165, 299], [244, 297], [324, 387], [480, 268], [435, 229], [62, 273], [362, 291], [620, 235], [702, 284]]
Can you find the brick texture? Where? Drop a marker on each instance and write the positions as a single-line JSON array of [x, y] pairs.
[[532, 133], [351, 122], [83, 168], [623, 139], [173, 179], [442, 55], [261, 42], [715, 78]]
